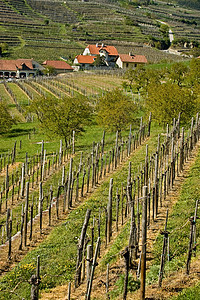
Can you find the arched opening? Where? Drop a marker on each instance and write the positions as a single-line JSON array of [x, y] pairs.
[[22, 75], [13, 74], [6, 74]]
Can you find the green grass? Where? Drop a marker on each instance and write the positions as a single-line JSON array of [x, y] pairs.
[[192, 293]]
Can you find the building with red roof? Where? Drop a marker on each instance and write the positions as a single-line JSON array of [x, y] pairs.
[[19, 68], [110, 53], [83, 62], [126, 61], [60, 66]]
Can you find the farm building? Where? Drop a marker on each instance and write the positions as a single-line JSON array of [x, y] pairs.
[[126, 61], [110, 53], [83, 62], [58, 65], [19, 68]]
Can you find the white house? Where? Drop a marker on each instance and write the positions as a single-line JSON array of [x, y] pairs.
[[126, 61], [110, 53], [83, 62]]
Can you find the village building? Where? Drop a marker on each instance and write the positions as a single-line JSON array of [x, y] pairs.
[[109, 53], [83, 62], [19, 68], [126, 61], [58, 65]]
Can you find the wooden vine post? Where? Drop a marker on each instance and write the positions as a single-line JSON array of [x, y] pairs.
[[80, 249], [190, 247], [164, 250], [26, 214], [89, 289], [69, 291], [109, 211], [35, 281], [126, 256], [144, 240]]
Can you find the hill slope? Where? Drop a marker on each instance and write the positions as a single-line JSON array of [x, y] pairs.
[[34, 28]]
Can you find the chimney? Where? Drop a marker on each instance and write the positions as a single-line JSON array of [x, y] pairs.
[[97, 45], [102, 45]]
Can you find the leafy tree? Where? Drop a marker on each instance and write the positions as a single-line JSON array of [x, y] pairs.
[[135, 77], [166, 100], [115, 110], [177, 72], [49, 70], [99, 61], [6, 120], [59, 117], [164, 29], [3, 48], [193, 77]]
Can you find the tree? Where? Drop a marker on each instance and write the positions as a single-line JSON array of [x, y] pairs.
[[99, 61], [135, 77], [115, 110], [167, 100], [193, 77], [177, 73], [59, 117], [6, 120], [49, 70], [3, 48]]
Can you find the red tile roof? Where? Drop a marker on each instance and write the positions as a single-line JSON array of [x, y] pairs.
[[94, 49], [85, 59], [133, 58], [57, 64], [14, 65]]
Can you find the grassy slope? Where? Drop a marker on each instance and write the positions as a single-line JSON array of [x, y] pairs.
[[58, 252]]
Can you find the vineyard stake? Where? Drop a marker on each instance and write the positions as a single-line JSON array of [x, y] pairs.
[[92, 270], [144, 240]]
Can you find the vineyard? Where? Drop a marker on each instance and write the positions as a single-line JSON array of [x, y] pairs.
[[105, 215], [34, 28]]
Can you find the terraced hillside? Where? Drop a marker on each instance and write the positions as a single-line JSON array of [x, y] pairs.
[[51, 29]]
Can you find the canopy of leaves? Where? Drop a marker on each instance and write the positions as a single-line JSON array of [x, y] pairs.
[[167, 100], [59, 117], [115, 110], [177, 72], [99, 61], [135, 77], [6, 120], [139, 78], [49, 70]]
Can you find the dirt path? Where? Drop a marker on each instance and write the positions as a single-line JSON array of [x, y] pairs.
[[171, 286]]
